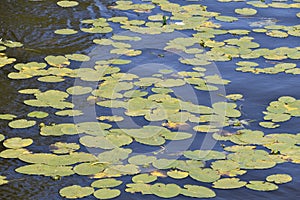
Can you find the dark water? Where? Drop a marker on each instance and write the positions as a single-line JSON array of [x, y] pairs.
[[33, 23]]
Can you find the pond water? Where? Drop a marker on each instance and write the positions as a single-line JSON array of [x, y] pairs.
[[34, 22]]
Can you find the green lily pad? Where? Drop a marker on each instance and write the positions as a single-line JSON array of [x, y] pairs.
[[111, 118], [114, 156], [197, 191], [69, 113], [268, 125], [7, 116], [46, 170], [17, 142], [76, 192], [79, 90], [119, 170], [138, 187], [96, 142], [106, 183], [51, 79], [141, 159], [2, 137], [107, 193], [279, 178], [229, 183], [165, 190], [226, 18], [3, 180], [67, 4], [206, 175], [63, 148], [66, 31], [177, 174], [261, 186], [57, 61], [204, 155], [234, 97], [144, 178], [21, 123], [13, 153], [88, 168], [245, 11], [38, 114]]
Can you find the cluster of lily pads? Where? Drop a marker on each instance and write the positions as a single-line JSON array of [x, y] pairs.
[[281, 110], [153, 98]]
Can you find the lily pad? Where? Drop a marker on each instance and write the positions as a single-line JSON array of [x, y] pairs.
[[67, 4], [197, 191], [66, 31], [107, 193], [76, 192], [21, 123], [17, 142], [165, 190], [229, 183], [79, 90], [144, 178], [3, 180], [38, 114], [46, 170], [7, 116], [206, 175], [69, 113], [63, 148], [177, 174], [279, 178], [261, 186], [245, 11], [88, 168], [106, 183]]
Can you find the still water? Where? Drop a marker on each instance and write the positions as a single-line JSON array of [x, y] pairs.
[[33, 23]]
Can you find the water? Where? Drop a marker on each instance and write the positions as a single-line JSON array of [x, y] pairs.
[[33, 23]]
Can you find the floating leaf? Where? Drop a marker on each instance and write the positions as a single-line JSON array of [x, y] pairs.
[[111, 118], [69, 113], [106, 183], [79, 90], [13, 153], [21, 123], [46, 170], [57, 61], [107, 193], [88, 168], [261, 186], [144, 178], [17, 142], [206, 175], [75, 191], [279, 178], [3, 180], [138, 187], [141, 159], [177, 174], [65, 31], [38, 114], [78, 57], [7, 116], [67, 4], [63, 148], [245, 11], [165, 190], [197, 191], [229, 183]]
